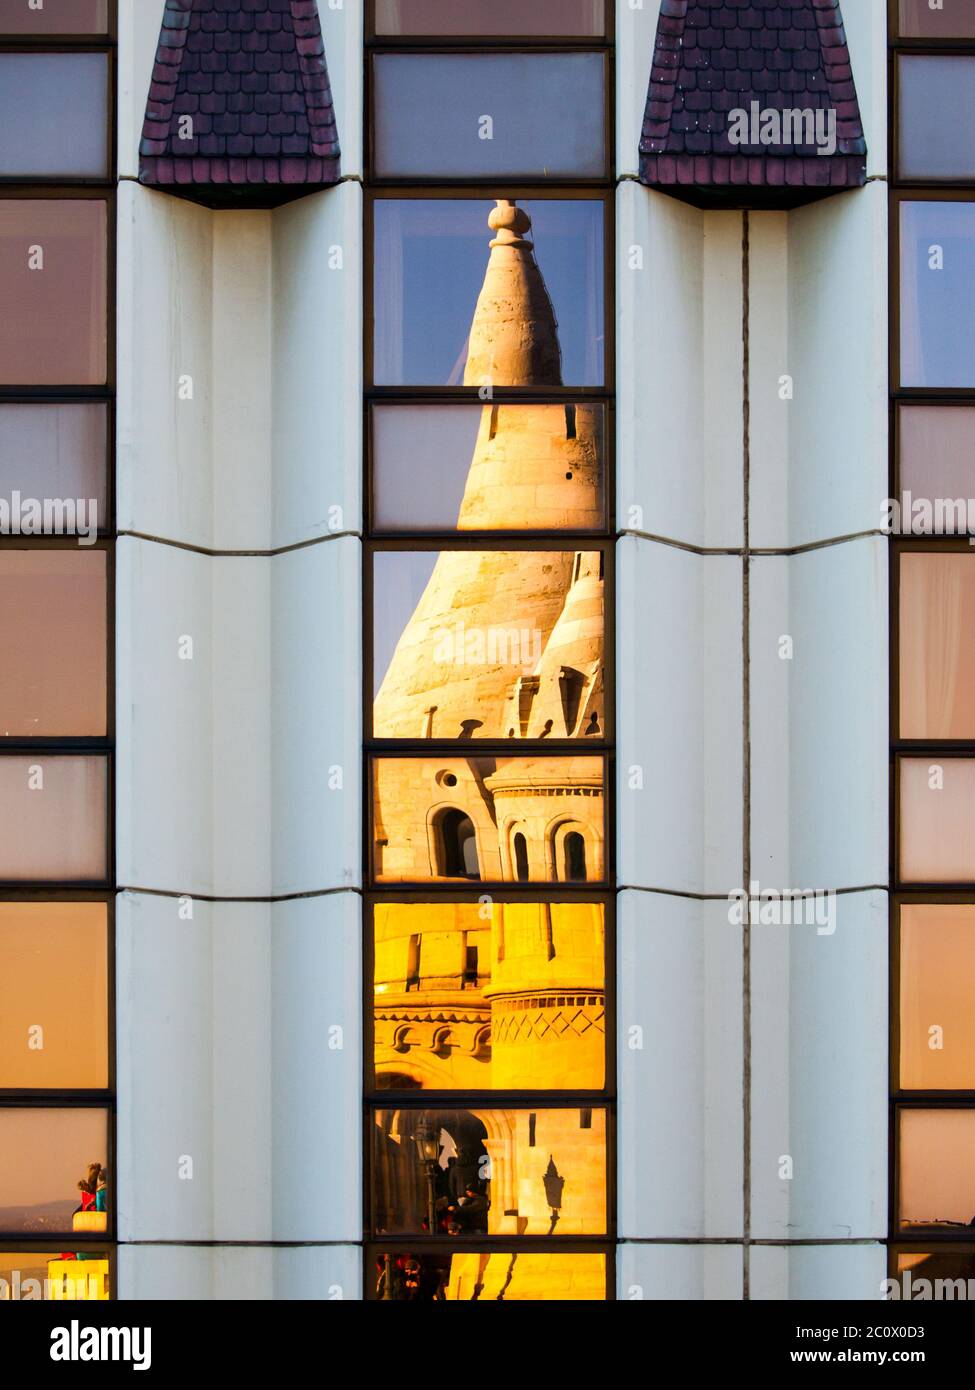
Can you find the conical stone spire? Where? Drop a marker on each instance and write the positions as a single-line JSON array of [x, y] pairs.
[[514, 337]]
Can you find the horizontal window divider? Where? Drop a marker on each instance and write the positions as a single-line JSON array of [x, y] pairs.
[[57, 1100], [488, 1100]]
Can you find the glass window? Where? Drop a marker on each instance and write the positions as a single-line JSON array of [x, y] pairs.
[[937, 1170], [937, 981], [53, 286], [54, 813], [54, 115], [476, 1275], [530, 1016], [54, 995], [937, 811], [74, 17], [55, 457], [952, 19], [936, 114], [936, 447], [469, 1173], [459, 300], [54, 1164], [937, 645], [53, 634], [411, 797], [32, 1276], [937, 294], [491, 467], [505, 18], [528, 115], [488, 644]]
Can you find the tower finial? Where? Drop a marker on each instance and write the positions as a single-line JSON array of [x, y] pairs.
[[514, 338]]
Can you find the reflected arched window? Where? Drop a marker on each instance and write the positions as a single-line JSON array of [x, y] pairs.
[[520, 845], [574, 852], [458, 846]]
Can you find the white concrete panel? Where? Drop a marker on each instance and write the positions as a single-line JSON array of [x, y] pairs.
[[819, 1040], [679, 1030], [231, 1273], [818, 461], [679, 687], [139, 22], [819, 795], [679, 1273], [342, 33], [679, 285], [866, 36], [165, 333], [316, 646], [317, 379], [193, 767], [317, 1073], [817, 1273], [636, 32], [228, 1037]]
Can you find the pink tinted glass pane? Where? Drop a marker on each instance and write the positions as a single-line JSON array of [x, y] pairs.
[[955, 20], [53, 331], [56, 454], [937, 465], [46, 1153], [937, 812], [937, 1160], [937, 980], [53, 634], [937, 650], [55, 824], [55, 17], [507, 18]]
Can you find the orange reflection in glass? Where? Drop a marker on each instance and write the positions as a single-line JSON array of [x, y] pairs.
[[46, 1154], [937, 981], [498, 1276], [937, 653], [501, 996], [54, 995], [459, 819], [32, 1276], [937, 1169], [937, 811]]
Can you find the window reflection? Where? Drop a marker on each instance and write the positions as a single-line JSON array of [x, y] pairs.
[[493, 467], [937, 654], [937, 293], [53, 634], [56, 450], [54, 995], [531, 277], [54, 287], [488, 1276], [488, 644], [506, 18], [54, 115], [548, 118], [937, 1170], [460, 1173], [920, 20], [530, 1014], [56, 1178], [54, 811], [548, 798], [63, 17], [937, 469], [33, 1276]]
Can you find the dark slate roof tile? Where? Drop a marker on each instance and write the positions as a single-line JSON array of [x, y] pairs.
[[715, 56], [253, 76]]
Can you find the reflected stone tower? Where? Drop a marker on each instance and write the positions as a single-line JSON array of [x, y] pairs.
[[505, 644]]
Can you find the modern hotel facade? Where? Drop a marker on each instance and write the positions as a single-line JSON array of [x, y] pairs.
[[486, 730]]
